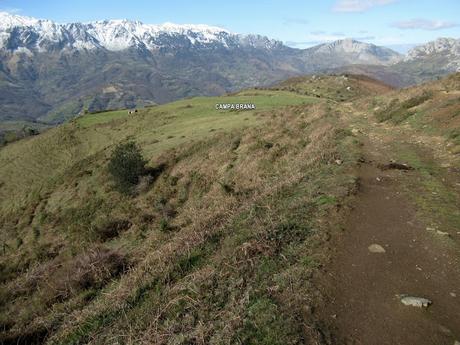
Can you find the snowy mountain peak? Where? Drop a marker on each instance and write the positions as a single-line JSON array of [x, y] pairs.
[[348, 45], [18, 33], [8, 20], [444, 48], [449, 46], [360, 51]]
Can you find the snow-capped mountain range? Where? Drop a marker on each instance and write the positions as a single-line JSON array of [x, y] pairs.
[[19, 33], [27, 34]]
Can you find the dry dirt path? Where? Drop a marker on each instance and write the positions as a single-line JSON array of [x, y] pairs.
[[361, 287]]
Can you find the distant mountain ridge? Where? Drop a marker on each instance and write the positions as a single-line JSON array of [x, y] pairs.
[[50, 72], [358, 52], [30, 34], [450, 46], [423, 62], [447, 48]]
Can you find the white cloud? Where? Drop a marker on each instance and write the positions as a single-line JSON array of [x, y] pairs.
[[424, 24], [324, 37], [359, 5], [387, 40]]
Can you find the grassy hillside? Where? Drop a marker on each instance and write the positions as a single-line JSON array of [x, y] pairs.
[[218, 244], [433, 108], [72, 244]]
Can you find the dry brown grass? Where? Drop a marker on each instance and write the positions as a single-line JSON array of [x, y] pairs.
[[223, 241], [207, 226]]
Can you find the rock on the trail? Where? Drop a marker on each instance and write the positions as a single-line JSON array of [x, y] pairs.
[[355, 131], [457, 342], [376, 248], [419, 302], [442, 233]]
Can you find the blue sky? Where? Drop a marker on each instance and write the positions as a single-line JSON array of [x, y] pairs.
[[298, 23]]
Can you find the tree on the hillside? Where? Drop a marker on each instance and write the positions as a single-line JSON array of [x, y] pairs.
[[126, 165]]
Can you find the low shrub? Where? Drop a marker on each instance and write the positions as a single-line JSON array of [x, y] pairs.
[[126, 166]]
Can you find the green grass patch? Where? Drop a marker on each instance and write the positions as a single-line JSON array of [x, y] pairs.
[[436, 201]]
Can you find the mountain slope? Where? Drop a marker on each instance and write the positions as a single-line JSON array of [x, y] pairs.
[[184, 226], [224, 239]]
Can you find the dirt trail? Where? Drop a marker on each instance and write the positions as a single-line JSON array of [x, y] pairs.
[[361, 287]]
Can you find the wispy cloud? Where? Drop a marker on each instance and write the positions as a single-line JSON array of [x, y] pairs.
[[10, 10], [359, 5], [364, 38], [297, 21], [319, 37], [311, 40], [325, 37], [424, 24]]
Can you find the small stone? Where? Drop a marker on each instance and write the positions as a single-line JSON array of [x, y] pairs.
[[457, 342], [378, 179], [338, 162], [445, 330], [418, 302], [429, 228], [443, 233], [453, 294], [376, 248]]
